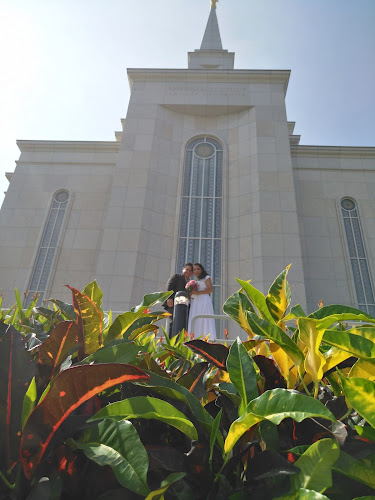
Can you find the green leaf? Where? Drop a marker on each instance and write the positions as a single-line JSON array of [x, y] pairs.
[[275, 405], [303, 494], [94, 293], [311, 335], [89, 323], [29, 401], [117, 444], [360, 394], [258, 299], [171, 479], [359, 470], [152, 299], [172, 390], [235, 307], [361, 347], [273, 332], [366, 432], [316, 466], [341, 313], [242, 374], [148, 408], [295, 313], [123, 323], [278, 297], [214, 433], [117, 351]]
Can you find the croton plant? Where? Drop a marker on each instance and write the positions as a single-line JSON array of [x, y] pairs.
[[92, 408]]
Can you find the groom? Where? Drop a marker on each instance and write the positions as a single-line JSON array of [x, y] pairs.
[[177, 283]]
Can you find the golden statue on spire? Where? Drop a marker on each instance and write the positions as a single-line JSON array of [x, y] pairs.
[[213, 4]]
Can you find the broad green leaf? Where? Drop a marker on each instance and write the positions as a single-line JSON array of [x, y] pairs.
[[303, 494], [117, 351], [368, 332], [275, 333], [152, 299], [235, 307], [242, 374], [278, 297], [360, 393], [94, 293], [148, 408], [359, 470], [172, 390], [258, 300], [89, 323], [316, 466], [295, 313], [143, 329], [341, 313], [171, 479], [275, 405], [117, 444], [29, 401], [70, 389], [122, 324], [311, 335], [214, 433], [360, 347]]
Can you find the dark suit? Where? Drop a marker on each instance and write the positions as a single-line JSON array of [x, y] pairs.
[[176, 283]]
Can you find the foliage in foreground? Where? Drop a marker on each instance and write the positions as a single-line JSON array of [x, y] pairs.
[[91, 408]]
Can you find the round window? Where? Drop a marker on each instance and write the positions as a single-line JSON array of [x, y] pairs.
[[204, 150], [62, 196], [347, 204]]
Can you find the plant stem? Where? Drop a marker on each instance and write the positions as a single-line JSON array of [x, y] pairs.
[[6, 482], [304, 385]]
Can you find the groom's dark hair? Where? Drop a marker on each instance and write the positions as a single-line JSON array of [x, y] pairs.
[[188, 264]]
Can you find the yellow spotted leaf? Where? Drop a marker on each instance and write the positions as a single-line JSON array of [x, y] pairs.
[[278, 298]]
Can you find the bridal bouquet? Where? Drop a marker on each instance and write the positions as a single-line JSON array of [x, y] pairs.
[[191, 286]]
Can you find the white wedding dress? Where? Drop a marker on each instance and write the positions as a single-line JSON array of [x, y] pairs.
[[202, 304]]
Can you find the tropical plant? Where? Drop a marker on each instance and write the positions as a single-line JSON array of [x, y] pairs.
[[95, 408]]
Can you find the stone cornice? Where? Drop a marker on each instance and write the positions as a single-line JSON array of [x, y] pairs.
[[69, 146], [333, 151], [209, 76]]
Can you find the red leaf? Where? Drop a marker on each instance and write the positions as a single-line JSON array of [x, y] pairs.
[[69, 390], [270, 372], [214, 353], [16, 371], [55, 350]]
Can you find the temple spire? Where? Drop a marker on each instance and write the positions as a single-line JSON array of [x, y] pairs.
[[211, 55], [211, 39]]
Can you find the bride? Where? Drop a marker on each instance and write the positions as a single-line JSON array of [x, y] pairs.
[[201, 304]]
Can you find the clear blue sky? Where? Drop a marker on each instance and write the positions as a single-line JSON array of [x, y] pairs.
[[63, 62]]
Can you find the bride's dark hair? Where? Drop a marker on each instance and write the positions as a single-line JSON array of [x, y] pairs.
[[204, 273]]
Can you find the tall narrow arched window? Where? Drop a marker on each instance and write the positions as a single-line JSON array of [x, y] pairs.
[[201, 210], [358, 258], [47, 249]]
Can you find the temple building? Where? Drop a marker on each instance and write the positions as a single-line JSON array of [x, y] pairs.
[[206, 169]]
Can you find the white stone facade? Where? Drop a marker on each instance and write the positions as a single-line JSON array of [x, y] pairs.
[[281, 200]]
